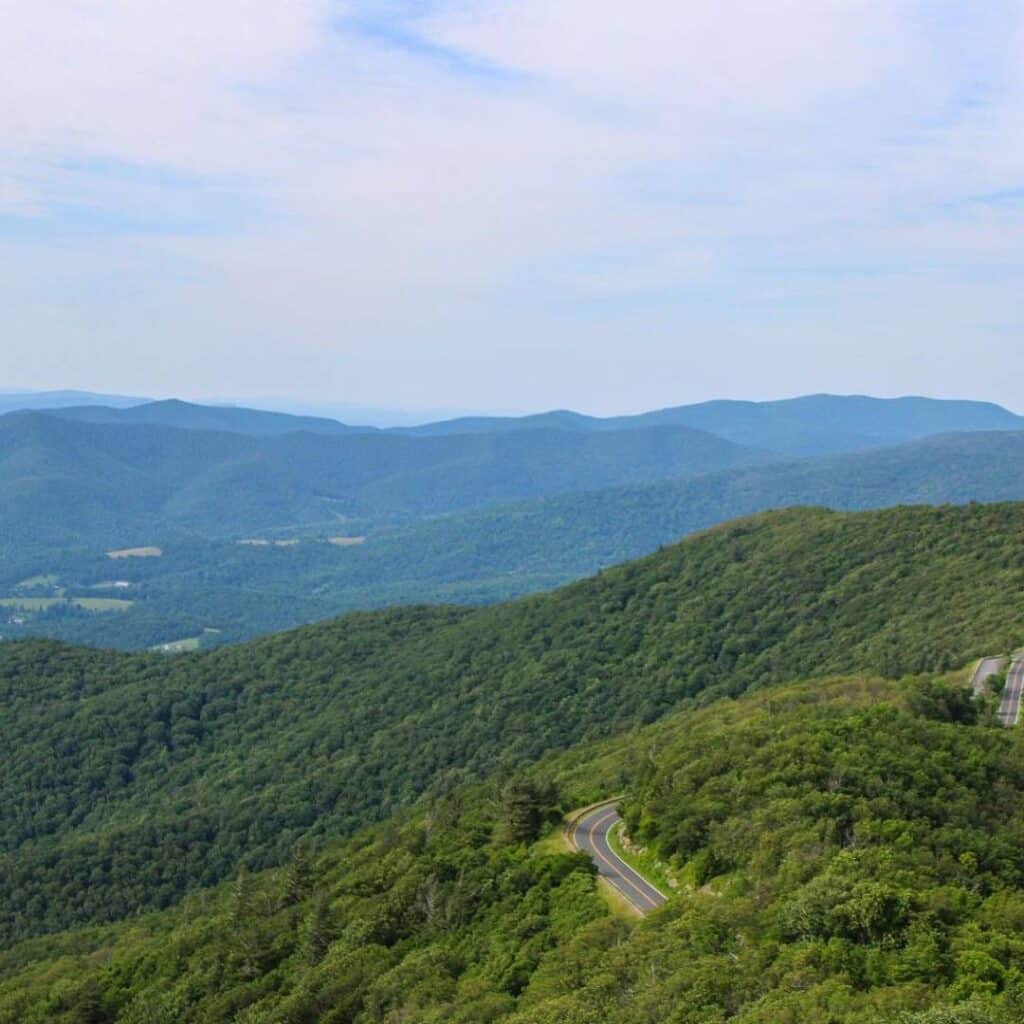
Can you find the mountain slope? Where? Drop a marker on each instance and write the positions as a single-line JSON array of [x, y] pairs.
[[484, 555], [71, 482], [579, 533], [189, 416], [236, 753], [809, 425], [849, 854], [14, 401]]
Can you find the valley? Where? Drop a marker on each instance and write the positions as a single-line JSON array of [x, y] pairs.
[[216, 560]]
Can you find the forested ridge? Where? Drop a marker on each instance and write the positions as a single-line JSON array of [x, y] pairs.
[[130, 780], [848, 852], [67, 483], [476, 557]]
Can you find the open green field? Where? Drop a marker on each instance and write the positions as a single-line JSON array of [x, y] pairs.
[[190, 643], [102, 604], [30, 604], [49, 580], [42, 604], [150, 552]]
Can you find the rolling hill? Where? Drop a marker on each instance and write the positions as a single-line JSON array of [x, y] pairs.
[[190, 416], [842, 849], [805, 426], [478, 556], [580, 533], [231, 756], [809, 425], [21, 401], [873, 878], [69, 482]]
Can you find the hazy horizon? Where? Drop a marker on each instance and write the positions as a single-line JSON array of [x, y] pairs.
[[386, 416], [487, 206]]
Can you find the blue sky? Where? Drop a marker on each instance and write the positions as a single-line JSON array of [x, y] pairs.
[[496, 205]]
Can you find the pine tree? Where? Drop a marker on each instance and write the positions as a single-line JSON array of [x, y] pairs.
[[319, 931], [298, 881], [525, 805], [241, 900], [245, 941], [87, 1007]]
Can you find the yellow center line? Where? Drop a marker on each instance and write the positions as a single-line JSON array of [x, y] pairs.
[[617, 874], [630, 867]]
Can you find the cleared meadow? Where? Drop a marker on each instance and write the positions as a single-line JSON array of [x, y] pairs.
[[42, 604], [150, 552]]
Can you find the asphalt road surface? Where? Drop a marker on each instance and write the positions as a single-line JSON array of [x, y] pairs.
[[1009, 709], [590, 834], [987, 667]]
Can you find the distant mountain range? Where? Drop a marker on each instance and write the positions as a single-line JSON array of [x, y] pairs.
[[575, 534], [14, 401], [812, 425], [66, 480], [809, 425], [469, 510], [188, 416]]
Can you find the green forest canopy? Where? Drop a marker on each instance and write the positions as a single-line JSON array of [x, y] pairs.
[[133, 780], [850, 851]]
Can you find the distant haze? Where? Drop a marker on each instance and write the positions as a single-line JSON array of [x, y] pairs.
[[372, 416], [489, 206]]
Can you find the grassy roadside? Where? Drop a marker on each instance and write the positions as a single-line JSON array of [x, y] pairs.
[[617, 903], [558, 841], [646, 864]]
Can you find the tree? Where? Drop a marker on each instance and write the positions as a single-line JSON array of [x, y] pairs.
[[319, 931], [298, 879], [245, 941], [525, 806], [87, 1007]]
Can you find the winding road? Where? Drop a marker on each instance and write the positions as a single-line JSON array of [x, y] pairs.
[[987, 668], [589, 833], [1009, 708]]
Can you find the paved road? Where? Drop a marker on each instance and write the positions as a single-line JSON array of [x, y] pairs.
[[986, 668], [590, 834], [1009, 709]]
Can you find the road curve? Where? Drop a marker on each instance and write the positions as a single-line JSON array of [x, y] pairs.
[[1009, 707], [589, 833], [987, 668]]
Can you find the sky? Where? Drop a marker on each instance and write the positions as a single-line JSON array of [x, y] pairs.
[[495, 205]]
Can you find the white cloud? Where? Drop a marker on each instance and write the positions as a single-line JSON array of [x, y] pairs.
[[386, 183]]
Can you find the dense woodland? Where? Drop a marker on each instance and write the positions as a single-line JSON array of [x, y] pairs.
[[849, 852], [65, 483], [232, 756], [474, 557]]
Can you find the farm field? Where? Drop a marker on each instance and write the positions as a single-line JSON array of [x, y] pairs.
[[47, 580], [147, 552], [183, 646], [102, 604], [90, 604], [190, 643]]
